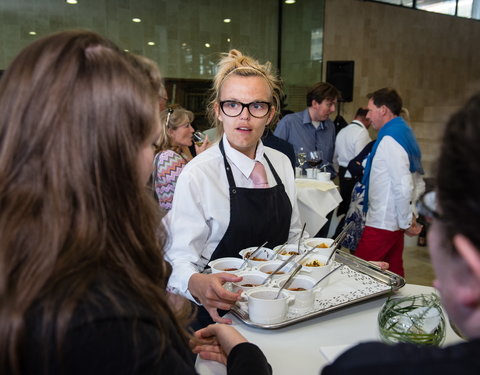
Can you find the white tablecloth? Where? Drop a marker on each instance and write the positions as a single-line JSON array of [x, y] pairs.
[[315, 200], [309, 346]]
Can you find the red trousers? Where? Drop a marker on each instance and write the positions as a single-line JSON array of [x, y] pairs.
[[382, 245]]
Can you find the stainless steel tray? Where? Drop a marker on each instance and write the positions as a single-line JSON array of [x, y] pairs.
[[361, 281]]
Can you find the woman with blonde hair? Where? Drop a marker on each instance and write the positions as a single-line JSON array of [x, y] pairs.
[[236, 194], [82, 270], [173, 152]]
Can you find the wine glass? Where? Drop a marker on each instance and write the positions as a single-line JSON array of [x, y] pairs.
[[314, 159], [301, 157], [198, 138]]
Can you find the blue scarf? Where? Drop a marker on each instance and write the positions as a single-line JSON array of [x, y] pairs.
[[398, 129]]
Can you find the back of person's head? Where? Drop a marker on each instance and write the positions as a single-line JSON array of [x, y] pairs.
[[151, 70], [235, 63], [361, 112], [171, 119], [74, 114], [388, 97], [321, 91], [458, 190]]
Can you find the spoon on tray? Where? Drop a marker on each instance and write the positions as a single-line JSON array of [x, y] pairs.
[[252, 255], [328, 274], [289, 280]]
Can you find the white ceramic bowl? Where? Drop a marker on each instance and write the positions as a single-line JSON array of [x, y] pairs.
[[287, 251], [315, 266], [228, 264], [251, 280], [323, 245], [272, 265], [265, 253], [263, 308], [323, 176], [304, 299]]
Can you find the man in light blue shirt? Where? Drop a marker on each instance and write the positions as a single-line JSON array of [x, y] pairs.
[[312, 128]]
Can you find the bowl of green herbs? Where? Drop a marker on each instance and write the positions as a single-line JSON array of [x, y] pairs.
[[417, 319]]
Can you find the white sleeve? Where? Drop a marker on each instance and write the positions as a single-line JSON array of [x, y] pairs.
[[401, 177], [187, 220], [362, 140]]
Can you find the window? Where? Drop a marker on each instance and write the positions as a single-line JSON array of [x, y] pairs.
[[459, 8]]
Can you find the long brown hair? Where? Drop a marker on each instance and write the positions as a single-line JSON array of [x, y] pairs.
[[74, 111]]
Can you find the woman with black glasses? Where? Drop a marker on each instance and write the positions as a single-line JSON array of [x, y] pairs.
[[236, 194]]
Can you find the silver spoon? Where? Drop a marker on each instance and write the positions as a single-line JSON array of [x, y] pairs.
[[328, 274], [289, 280], [284, 263], [252, 255]]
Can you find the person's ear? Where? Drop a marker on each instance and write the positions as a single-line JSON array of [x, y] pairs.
[[270, 115], [469, 253], [469, 293], [216, 107]]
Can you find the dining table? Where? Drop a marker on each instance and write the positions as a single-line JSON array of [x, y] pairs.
[[315, 200], [308, 346]]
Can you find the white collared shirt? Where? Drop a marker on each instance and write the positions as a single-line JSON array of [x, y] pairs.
[[349, 142], [200, 212], [393, 189]]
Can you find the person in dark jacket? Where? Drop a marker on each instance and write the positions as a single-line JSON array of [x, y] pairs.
[[82, 269]]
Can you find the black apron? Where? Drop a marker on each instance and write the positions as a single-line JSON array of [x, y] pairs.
[[256, 216]]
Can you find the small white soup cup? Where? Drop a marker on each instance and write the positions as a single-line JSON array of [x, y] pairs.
[[251, 279], [323, 245], [288, 251], [315, 266], [323, 176], [228, 264], [263, 308], [263, 255], [302, 289], [272, 265]]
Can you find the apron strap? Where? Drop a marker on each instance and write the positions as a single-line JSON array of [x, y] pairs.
[[228, 169]]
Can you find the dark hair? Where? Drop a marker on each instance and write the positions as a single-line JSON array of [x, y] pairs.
[[388, 97], [361, 112], [74, 114], [321, 91], [458, 190]]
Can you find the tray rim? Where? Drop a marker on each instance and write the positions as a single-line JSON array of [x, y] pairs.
[[395, 282]]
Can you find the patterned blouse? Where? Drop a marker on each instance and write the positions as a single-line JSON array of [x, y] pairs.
[[168, 166]]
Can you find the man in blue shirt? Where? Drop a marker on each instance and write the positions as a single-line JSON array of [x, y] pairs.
[[312, 128]]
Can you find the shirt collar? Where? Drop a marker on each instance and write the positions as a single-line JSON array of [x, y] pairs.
[[307, 120], [359, 123], [241, 161]]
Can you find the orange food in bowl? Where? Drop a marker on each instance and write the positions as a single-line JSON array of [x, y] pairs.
[[314, 263], [289, 252], [323, 245]]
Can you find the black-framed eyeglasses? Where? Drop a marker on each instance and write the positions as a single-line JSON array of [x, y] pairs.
[[232, 108], [169, 113], [427, 206]]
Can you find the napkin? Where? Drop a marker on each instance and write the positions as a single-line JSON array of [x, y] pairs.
[[314, 184]]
